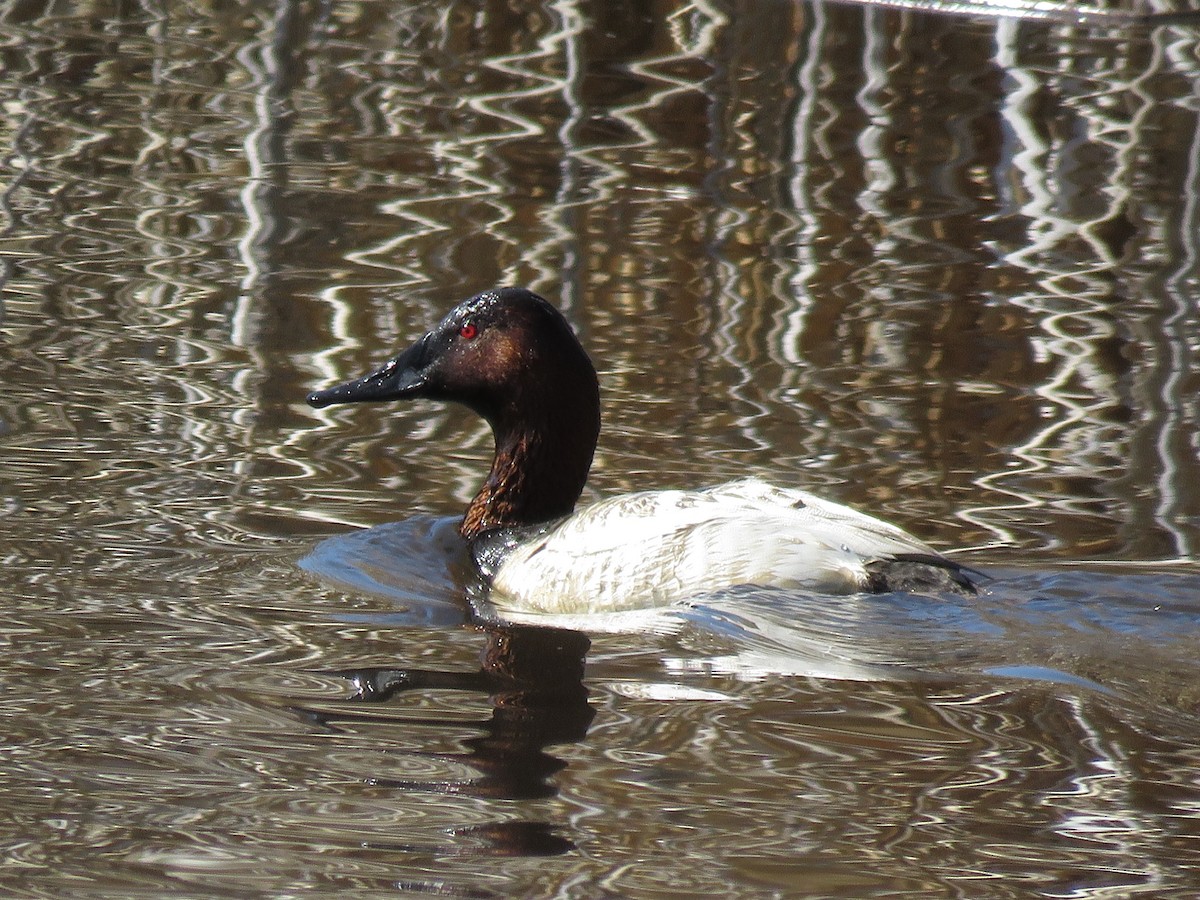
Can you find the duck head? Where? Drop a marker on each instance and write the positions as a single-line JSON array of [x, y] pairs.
[[510, 356]]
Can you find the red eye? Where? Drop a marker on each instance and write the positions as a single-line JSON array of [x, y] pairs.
[[468, 331]]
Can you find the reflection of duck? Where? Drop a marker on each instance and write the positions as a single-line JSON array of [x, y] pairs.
[[511, 357], [534, 677]]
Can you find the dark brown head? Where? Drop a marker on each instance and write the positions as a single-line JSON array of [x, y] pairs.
[[512, 358]]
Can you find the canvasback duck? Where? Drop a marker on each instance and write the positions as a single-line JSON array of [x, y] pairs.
[[510, 356]]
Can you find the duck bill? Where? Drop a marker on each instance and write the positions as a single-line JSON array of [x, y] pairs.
[[404, 376]]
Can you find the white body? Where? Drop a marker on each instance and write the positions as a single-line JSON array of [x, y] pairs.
[[656, 548]]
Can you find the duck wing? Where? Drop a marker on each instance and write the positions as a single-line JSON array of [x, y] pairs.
[[655, 548]]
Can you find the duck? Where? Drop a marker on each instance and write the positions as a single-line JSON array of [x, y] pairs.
[[511, 357]]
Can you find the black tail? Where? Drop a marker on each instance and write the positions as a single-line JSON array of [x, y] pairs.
[[921, 573]]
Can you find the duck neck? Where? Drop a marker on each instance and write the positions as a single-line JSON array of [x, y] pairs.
[[537, 475]]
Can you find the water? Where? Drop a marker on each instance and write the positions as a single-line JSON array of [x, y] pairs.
[[942, 266]]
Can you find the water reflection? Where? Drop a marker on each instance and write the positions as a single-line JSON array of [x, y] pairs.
[[533, 678], [958, 256]]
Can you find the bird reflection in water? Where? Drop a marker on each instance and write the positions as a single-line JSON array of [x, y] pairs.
[[534, 679]]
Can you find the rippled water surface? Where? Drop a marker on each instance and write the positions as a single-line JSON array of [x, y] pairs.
[[939, 265]]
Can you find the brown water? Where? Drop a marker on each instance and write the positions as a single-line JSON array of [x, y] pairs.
[[944, 267]]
